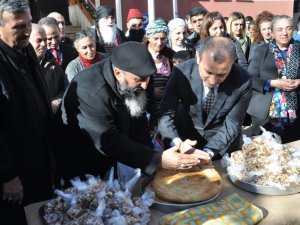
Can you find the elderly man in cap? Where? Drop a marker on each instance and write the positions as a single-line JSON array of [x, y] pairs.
[[135, 29], [104, 121], [107, 34]]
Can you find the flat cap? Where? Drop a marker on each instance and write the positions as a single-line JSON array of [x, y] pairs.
[[133, 57]]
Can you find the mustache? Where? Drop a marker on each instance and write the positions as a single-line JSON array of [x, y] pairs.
[[131, 92]]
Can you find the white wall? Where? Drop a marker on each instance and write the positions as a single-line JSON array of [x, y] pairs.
[[77, 17]]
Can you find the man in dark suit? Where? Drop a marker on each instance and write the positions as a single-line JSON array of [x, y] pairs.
[[104, 120], [185, 110], [53, 73], [61, 51], [62, 26]]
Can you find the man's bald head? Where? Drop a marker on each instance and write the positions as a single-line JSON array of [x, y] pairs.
[[215, 57], [54, 15], [38, 40], [220, 49], [60, 22]]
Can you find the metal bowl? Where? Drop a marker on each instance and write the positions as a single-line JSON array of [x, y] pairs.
[[169, 207], [265, 190]]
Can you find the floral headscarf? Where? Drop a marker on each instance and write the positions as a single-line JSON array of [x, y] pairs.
[[156, 26]]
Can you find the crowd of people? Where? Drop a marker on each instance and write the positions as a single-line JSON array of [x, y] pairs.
[[172, 95]]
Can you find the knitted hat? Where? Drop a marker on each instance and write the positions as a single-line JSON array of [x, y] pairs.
[[103, 11], [134, 13], [174, 23], [133, 57], [156, 26]]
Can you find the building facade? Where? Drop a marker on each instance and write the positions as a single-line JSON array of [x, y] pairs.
[[164, 8]]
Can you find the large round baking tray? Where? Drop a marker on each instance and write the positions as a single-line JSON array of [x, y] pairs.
[[265, 190], [169, 207]]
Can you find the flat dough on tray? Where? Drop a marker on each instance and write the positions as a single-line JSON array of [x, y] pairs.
[[187, 186]]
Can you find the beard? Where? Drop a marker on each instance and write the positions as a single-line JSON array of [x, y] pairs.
[[108, 33], [136, 35], [135, 100]]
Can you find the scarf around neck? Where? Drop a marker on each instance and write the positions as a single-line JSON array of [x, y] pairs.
[[284, 103], [87, 63]]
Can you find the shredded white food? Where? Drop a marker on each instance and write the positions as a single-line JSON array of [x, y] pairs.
[[263, 161]]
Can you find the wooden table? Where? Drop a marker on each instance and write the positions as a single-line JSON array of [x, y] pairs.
[[278, 210]]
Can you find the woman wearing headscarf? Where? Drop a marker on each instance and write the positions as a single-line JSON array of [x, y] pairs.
[[275, 70], [214, 25], [177, 36], [85, 45], [156, 40]]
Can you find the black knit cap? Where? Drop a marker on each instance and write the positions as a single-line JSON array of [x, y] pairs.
[[197, 10], [133, 57], [103, 11]]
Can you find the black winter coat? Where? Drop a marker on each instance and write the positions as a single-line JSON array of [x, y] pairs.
[[54, 76], [97, 128], [25, 116]]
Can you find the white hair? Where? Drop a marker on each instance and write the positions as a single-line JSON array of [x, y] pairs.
[[137, 104], [108, 33]]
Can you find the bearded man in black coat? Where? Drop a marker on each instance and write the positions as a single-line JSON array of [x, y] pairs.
[[104, 120]]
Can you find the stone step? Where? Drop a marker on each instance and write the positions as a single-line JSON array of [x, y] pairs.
[[70, 31]]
